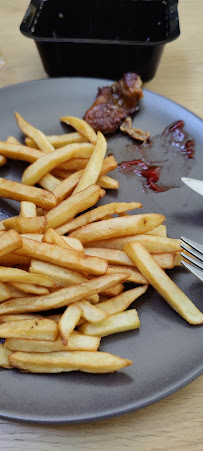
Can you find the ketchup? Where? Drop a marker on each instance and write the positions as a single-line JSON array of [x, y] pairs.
[[163, 150]]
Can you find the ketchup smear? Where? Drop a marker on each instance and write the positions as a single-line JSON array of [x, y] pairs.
[[151, 172]]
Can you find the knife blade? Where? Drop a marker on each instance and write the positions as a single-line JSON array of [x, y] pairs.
[[196, 185]]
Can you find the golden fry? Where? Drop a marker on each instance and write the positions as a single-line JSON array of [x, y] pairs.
[[18, 275], [38, 137], [163, 284], [40, 329], [4, 357], [36, 224], [107, 182], [81, 126], [28, 209], [76, 342], [121, 302], [68, 321], [18, 191], [9, 242], [59, 140], [119, 322]]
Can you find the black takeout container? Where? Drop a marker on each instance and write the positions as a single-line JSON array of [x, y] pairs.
[[101, 38]]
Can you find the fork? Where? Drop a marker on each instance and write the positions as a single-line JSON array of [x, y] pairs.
[[195, 250]]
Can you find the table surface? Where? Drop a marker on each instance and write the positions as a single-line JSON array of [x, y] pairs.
[[177, 421]]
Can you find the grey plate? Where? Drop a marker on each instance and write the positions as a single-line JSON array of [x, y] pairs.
[[166, 351]]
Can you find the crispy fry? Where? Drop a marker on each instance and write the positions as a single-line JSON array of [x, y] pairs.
[[81, 126], [76, 342], [114, 291], [111, 228], [48, 162], [27, 225], [4, 292], [135, 275], [66, 258], [57, 362], [40, 329], [30, 288], [96, 214], [18, 275], [119, 243], [19, 152], [163, 284], [53, 237], [4, 357], [49, 182], [107, 182], [90, 312], [73, 242], [120, 303], [68, 321], [66, 187], [63, 297], [38, 137], [14, 259], [9, 318], [59, 140], [28, 209], [119, 322], [67, 209], [9, 242], [94, 165], [157, 244], [18, 191], [75, 164], [160, 231]]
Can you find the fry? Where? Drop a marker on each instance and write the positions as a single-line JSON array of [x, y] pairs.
[[9, 242], [20, 152], [66, 258], [18, 191], [96, 214], [73, 205], [134, 275], [40, 329], [38, 137], [157, 244], [73, 242], [28, 209], [119, 243], [30, 288], [81, 126], [107, 182], [90, 312], [114, 291], [48, 162], [49, 182], [120, 303], [14, 259], [115, 257], [9, 318], [27, 225], [119, 322], [57, 362], [76, 342], [66, 187], [68, 321], [94, 165], [4, 357], [163, 284], [53, 237], [63, 297], [160, 231], [74, 164], [59, 140], [111, 228], [18, 275], [109, 164], [4, 292]]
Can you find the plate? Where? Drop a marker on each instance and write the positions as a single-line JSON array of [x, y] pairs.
[[167, 352]]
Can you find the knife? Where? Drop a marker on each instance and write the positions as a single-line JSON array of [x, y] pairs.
[[196, 185]]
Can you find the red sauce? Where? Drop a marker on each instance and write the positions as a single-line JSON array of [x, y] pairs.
[[172, 142]]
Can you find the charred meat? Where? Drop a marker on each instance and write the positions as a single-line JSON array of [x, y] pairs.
[[133, 132], [114, 103]]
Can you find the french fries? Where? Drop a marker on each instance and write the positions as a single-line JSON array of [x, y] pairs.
[[94, 165], [18, 191], [111, 228], [56, 362], [163, 284], [40, 329], [48, 162], [42, 269], [9, 242]]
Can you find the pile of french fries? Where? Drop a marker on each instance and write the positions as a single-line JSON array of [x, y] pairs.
[[59, 254]]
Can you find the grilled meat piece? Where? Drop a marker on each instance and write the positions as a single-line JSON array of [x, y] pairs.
[[133, 132], [114, 103]]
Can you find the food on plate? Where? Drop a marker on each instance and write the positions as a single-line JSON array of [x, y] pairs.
[[87, 273], [114, 103], [133, 132]]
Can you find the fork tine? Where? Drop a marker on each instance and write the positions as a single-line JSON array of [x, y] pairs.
[[192, 260], [192, 251], [193, 244], [194, 270]]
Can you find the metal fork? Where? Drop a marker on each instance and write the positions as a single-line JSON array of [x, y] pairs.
[[196, 250]]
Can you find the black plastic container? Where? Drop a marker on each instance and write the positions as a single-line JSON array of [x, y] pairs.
[[101, 38]]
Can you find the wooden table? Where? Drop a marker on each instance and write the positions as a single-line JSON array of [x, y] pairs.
[[176, 422]]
